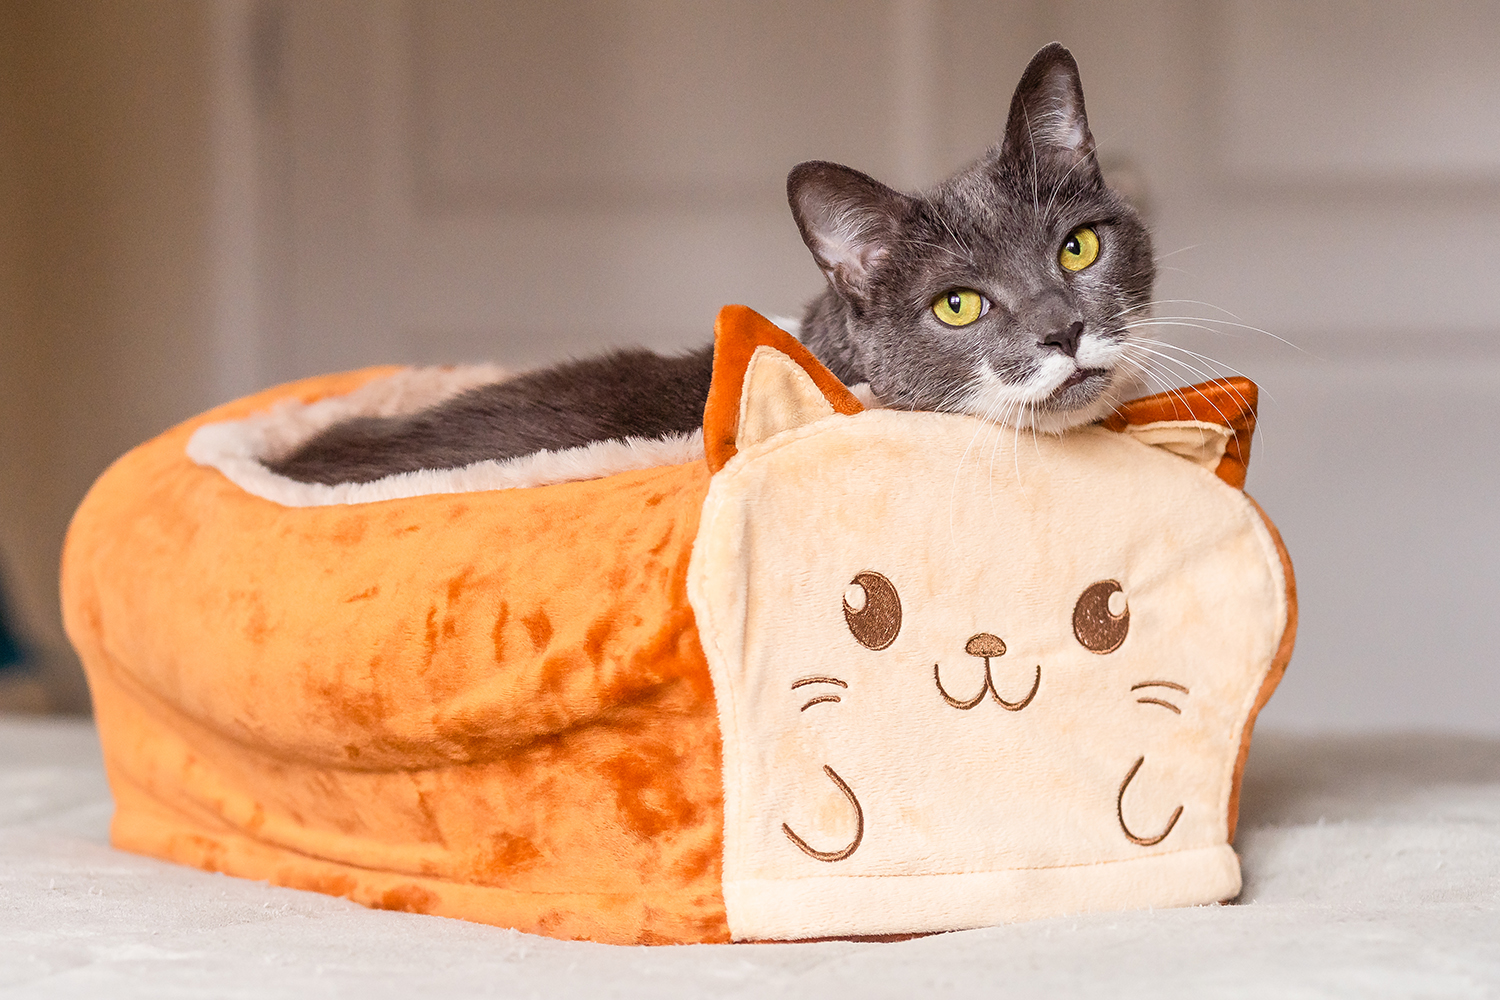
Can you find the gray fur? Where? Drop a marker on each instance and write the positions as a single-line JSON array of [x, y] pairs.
[[996, 227]]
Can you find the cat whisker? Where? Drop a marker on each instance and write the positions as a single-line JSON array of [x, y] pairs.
[[1191, 321], [1157, 365], [1153, 346], [1193, 368], [1182, 396], [1164, 268], [992, 425], [937, 246], [968, 250], [1156, 380], [1159, 374], [1058, 186], [1181, 302], [983, 427], [1213, 362], [1215, 368], [1179, 250], [1035, 166], [1162, 384], [1024, 416]]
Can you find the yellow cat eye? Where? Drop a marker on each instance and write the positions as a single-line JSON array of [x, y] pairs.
[[1080, 249], [959, 307]]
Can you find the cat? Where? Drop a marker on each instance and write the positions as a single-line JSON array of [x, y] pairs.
[[1001, 292]]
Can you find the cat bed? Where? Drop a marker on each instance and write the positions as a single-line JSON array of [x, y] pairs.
[[850, 672]]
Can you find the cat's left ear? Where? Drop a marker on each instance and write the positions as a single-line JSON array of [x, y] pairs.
[[1047, 127], [764, 382]]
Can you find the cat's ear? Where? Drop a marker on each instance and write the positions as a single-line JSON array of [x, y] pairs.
[[1048, 127], [1210, 423], [848, 220], [764, 382]]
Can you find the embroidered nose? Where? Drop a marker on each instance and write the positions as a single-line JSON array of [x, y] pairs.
[[985, 645]]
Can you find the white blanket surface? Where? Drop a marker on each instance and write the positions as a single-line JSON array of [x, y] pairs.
[[1371, 863]]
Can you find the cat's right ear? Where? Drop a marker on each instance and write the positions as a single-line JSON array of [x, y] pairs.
[[848, 220], [1047, 126]]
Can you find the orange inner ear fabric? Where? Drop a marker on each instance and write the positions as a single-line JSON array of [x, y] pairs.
[[737, 333], [1227, 401]]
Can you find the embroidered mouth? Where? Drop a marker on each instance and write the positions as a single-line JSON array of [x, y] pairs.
[[988, 687]]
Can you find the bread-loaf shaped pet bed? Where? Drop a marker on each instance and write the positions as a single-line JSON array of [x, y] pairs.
[[839, 672]]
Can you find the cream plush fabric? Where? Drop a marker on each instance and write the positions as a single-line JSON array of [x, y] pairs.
[[893, 789]]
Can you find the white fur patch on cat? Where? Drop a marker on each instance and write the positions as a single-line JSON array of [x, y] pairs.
[[240, 448]]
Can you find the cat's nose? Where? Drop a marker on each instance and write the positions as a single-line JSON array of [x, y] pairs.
[[1066, 339], [985, 645]]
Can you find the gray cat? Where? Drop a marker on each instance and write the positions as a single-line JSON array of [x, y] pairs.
[[1002, 292]]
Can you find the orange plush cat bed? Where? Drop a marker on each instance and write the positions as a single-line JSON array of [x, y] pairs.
[[839, 672]]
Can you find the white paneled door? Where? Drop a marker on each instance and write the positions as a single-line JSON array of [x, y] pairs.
[[449, 180]]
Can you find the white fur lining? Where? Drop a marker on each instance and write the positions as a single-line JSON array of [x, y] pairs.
[[240, 448]]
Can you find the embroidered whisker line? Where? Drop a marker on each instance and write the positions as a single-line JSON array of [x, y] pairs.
[[803, 682]]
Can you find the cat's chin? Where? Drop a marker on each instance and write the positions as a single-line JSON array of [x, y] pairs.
[[1061, 421], [1082, 396], [1086, 396]]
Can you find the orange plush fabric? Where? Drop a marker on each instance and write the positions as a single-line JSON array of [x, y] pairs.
[[488, 705]]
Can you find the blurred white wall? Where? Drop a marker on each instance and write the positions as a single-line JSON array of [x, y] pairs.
[[282, 188]]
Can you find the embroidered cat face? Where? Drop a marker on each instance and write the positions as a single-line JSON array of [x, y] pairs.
[[943, 652]]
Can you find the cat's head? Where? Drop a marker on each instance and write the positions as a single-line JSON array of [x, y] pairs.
[[1003, 291]]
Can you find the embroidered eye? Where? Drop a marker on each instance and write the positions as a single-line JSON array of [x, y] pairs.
[[1079, 250], [1101, 618], [872, 610], [959, 306]]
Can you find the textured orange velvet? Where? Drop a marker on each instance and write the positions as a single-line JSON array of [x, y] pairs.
[[487, 705]]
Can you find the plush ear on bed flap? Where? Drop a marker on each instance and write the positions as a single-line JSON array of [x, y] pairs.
[[763, 382], [1210, 423]]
